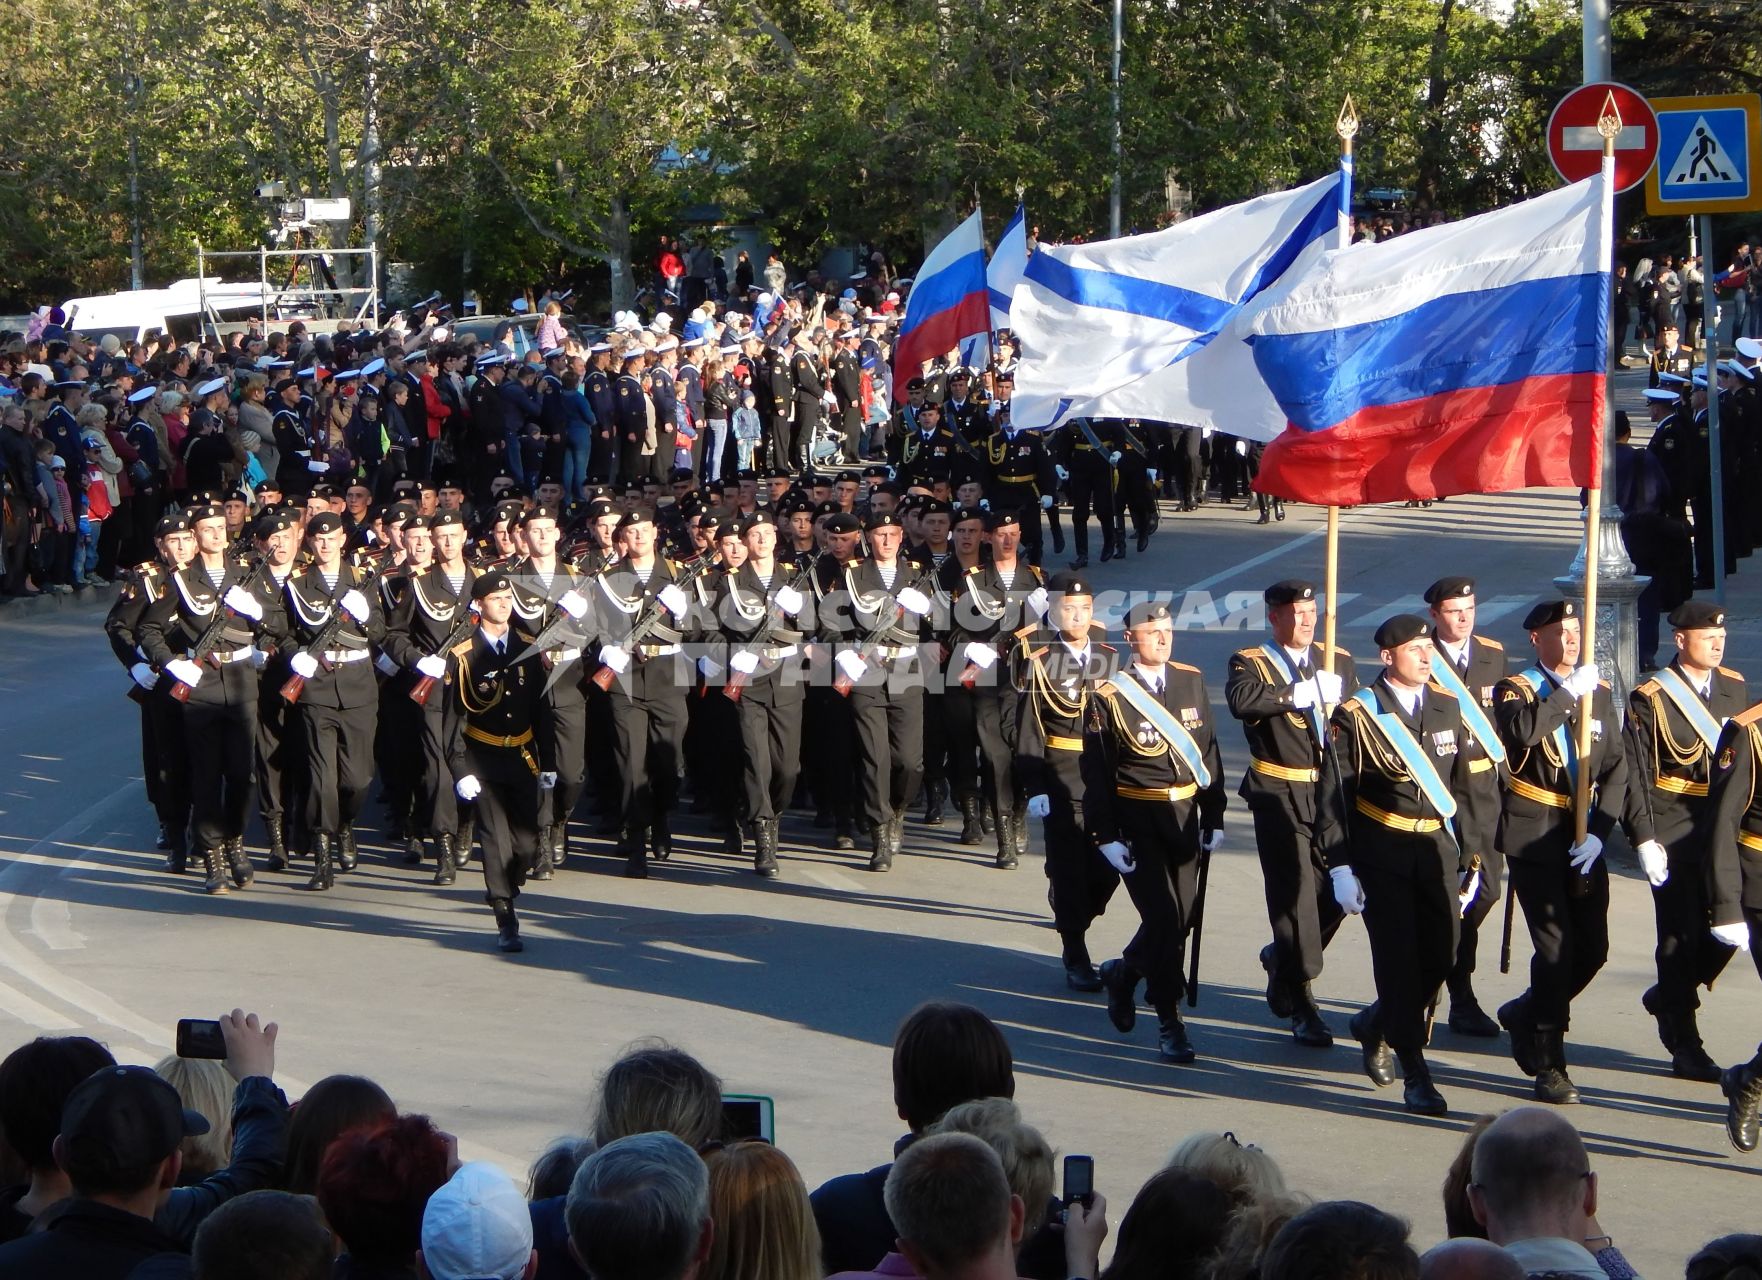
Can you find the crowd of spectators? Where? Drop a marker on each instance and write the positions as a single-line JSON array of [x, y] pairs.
[[165, 1173]]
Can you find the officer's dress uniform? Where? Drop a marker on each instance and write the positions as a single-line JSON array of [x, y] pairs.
[[282, 784], [562, 725], [1284, 773], [1733, 836], [1020, 473], [1669, 765], [1055, 679], [828, 735], [847, 386], [919, 455], [1134, 493], [397, 722], [220, 717], [1091, 486], [164, 762], [632, 414], [1567, 913], [805, 375], [1157, 797]]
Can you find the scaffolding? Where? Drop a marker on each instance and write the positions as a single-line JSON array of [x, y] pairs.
[[319, 297]]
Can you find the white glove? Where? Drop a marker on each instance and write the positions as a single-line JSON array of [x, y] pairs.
[[618, 660], [982, 656], [1654, 861], [1584, 855], [1332, 686], [708, 667], [547, 780], [1038, 601], [1118, 857], [259, 659], [789, 599], [1113, 459], [144, 675], [304, 665], [318, 468], [573, 603], [1150, 474], [1733, 935], [1303, 695], [851, 663], [1471, 885], [1061, 472], [468, 787], [914, 601], [240, 602], [1039, 807], [744, 662], [1213, 840], [1241, 448], [1581, 681], [1347, 891], [185, 671], [433, 666], [673, 600], [355, 605], [1046, 501]]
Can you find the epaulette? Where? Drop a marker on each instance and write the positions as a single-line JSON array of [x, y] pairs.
[[1247, 655], [1186, 666], [1489, 643], [1649, 688], [1339, 649], [1435, 687], [1030, 629], [1729, 673], [463, 647], [1749, 717]]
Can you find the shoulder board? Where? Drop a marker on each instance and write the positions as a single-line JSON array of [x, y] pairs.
[[853, 562], [1604, 684], [1435, 687], [1749, 717], [1491, 644], [1521, 681], [1339, 649], [1729, 674], [1030, 629], [1247, 655], [1649, 689], [1097, 629], [1186, 666], [463, 647]]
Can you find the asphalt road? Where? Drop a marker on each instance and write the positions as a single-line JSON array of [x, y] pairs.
[[793, 988]]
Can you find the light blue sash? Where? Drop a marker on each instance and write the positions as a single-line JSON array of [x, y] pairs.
[[1689, 703], [1318, 721], [1172, 730], [1565, 743], [1401, 740], [1472, 714]]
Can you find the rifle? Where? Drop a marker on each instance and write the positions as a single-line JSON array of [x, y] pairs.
[[210, 637], [420, 692], [738, 680], [871, 641], [1094, 440], [651, 615], [326, 634], [1505, 940]]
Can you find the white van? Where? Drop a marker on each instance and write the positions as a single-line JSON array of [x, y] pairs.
[[176, 309]]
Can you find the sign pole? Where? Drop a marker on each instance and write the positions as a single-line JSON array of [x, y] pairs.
[[1346, 126], [1715, 467]]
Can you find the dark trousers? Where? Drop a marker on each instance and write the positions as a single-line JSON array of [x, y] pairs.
[[1189, 473], [1135, 496], [165, 757], [1082, 880], [1687, 955], [828, 752], [1468, 929], [712, 732], [648, 724], [850, 422], [562, 726], [1410, 917], [281, 759], [1570, 935], [807, 423], [770, 711], [890, 745], [397, 729], [981, 735], [507, 818], [937, 743], [1164, 886], [1091, 488], [1300, 902], [222, 742], [339, 764], [437, 805], [602, 753]]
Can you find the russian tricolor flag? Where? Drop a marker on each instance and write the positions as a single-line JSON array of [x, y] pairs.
[[1465, 358], [949, 302]]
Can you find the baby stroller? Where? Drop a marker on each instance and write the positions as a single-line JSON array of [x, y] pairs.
[[827, 446]]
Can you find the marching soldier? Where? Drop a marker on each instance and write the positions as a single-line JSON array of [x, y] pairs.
[[807, 377], [1283, 693], [633, 413], [1469, 666], [827, 719], [334, 619], [1135, 489], [409, 552], [847, 386], [1674, 720], [1734, 850], [916, 455], [1091, 486], [1153, 804], [1561, 882], [1022, 479], [281, 744], [1055, 666], [1399, 845], [203, 631], [492, 749]]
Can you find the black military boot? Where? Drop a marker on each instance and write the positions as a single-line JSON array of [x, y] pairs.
[[1690, 1061], [177, 857], [972, 828], [1652, 1001], [507, 926], [467, 837], [1467, 1018], [1419, 1094], [1307, 1027], [445, 871], [541, 866], [661, 838], [348, 854], [1379, 1063], [634, 846], [1742, 1087], [1172, 1044], [765, 847], [164, 837], [935, 797], [1278, 994], [1080, 972], [1514, 1016], [323, 874], [987, 815], [214, 869], [413, 854], [733, 843], [560, 844], [1553, 1085], [278, 848], [881, 846], [1121, 985], [238, 863], [844, 834], [1144, 539]]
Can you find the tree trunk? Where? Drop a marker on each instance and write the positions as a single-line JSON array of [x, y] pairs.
[[1435, 130], [617, 241]]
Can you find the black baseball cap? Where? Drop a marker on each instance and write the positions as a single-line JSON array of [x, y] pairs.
[[122, 1120]]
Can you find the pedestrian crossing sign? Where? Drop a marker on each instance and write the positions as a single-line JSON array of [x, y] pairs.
[[1709, 151]]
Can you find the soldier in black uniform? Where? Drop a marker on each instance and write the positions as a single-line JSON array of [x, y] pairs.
[[962, 411], [829, 757], [807, 376], [281, 744], [492, 751], [1469, 666], [877, 637], [1153, 803], [1022, 479], [847, 385], [660, 380], [1135, 488], [1561, 882], [631, 412], [1283, 692], [1673, 725], [916, 455], [1399, 842], [1054, 666], [1734, 852], [774, 396], [338, 695], [1091, 486], [210, 658], [164, 762], [596, 385]]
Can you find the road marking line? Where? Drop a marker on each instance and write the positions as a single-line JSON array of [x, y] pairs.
[[52, 922], [32, 1014]]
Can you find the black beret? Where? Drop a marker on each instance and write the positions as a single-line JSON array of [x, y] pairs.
[[796, 506], [1697, 615], [207, 511], [1548, 613], [844, 522], [971, 513], [541, 511], [849, 477], [1400, 629], [878, 471], [418, 522], [1290, 591], [1069, 584], [600, 508], [274, 522], [446, 520], [937, 507], [489, 583], [1147, 611], [237, 495], [775, 473], [638, 514], [1001, 520], [507, 509], [914, 384], [325, 522], [399, 511], [324, 491], [1449, 589], [679, 473], [826, 508], [883, 520], [171, 524], [888, 486]]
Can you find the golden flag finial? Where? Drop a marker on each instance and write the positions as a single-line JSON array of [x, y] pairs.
[[1347, 124], [1609, 118]]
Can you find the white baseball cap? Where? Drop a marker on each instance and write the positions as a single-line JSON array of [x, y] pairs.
[[476, 1227]]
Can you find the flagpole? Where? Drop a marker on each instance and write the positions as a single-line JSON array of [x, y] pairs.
[[1346, 126], [1609, 126]]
